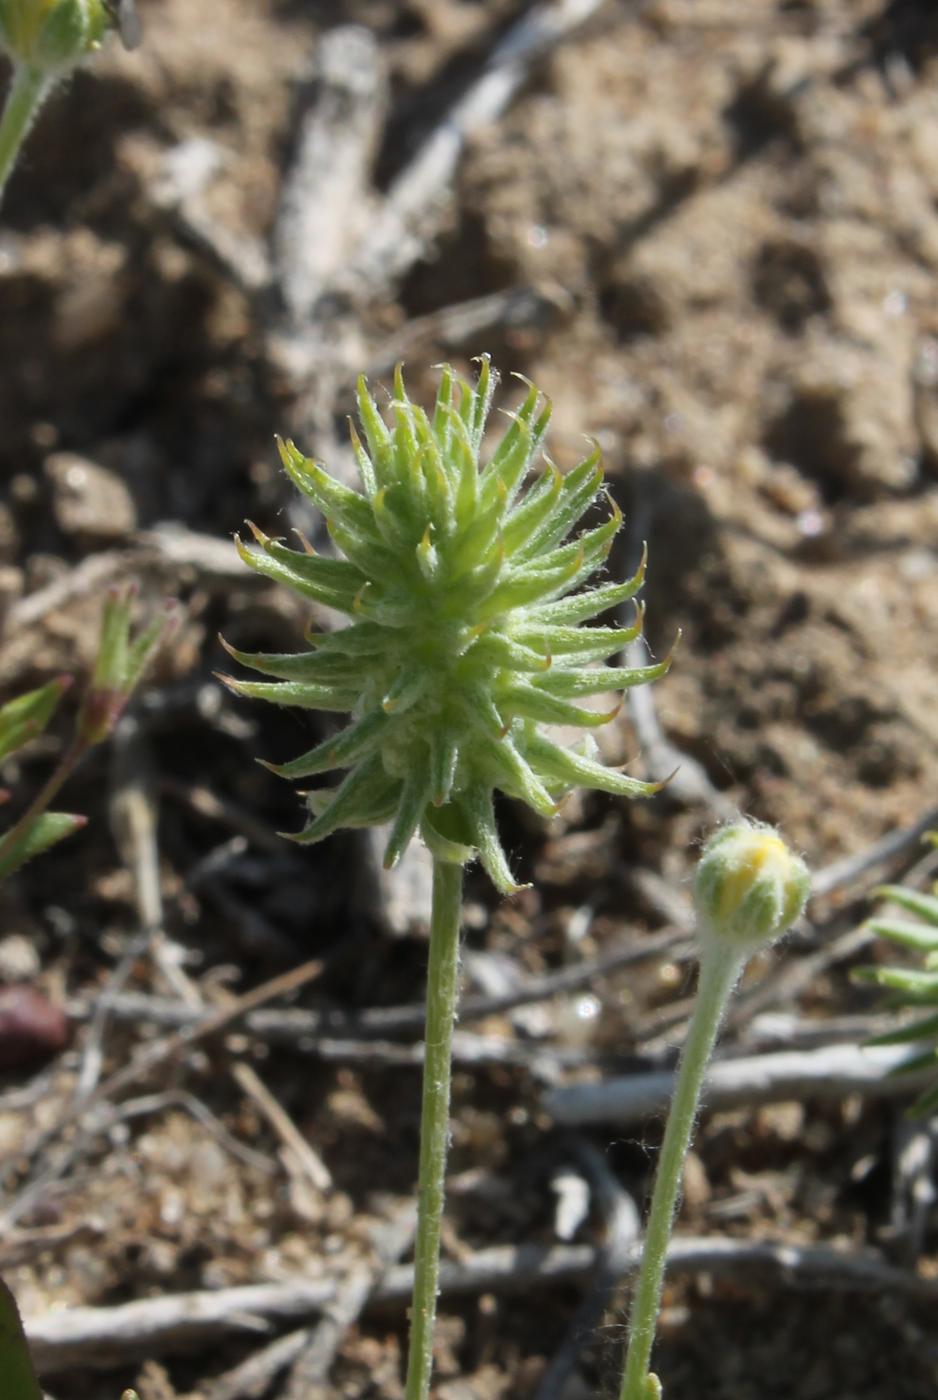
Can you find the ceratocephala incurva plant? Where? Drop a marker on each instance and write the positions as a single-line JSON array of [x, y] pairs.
[[463, 579]]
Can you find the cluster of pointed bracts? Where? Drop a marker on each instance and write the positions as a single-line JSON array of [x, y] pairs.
[[465, 594]]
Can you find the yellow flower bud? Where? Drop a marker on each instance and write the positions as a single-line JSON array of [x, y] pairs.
[[749, 886]]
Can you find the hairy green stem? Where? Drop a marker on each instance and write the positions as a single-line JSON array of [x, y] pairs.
[[719, 970], [442, 989], [28, 90]]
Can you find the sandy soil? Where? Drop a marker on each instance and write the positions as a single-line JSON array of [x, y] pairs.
[[719, 222]]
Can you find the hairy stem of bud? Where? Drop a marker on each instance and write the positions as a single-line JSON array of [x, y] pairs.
[[719, 971], [28, 90], [442, 989]]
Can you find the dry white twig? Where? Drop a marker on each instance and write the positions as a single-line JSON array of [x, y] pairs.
[[419, 197], [102, 1337], [323, 203], [166, 546], [830, 1072], [311, 1368], [253, 1377], [178, 192], [180, 548], [850, 868], [472, 321], [87, 1114], [689, 781], [90, 576]]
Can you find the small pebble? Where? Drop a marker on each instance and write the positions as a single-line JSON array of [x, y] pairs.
[[32, 1028], [87, 499], [19, 961]]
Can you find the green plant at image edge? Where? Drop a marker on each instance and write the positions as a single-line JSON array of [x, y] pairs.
[[16, 1369], [915, 989]]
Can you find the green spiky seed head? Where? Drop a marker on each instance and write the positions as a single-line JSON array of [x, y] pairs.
[[52, 35], [463, 576], [749, 888]]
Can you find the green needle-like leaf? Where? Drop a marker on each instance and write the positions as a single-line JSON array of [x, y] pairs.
[[40, 835], [925, 905], [911, 987], [26, 717]]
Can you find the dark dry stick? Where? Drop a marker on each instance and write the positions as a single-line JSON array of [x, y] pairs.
[[613, 1260], [913, 1185], [291, 1026]]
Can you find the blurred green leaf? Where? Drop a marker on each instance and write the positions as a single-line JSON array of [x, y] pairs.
[[47, 830], [926, 1104], [925, 905], [911, 987], [25, 717], [916, 1063], [905, 1035], [915, 986], [906, 933], [16, 1370]]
